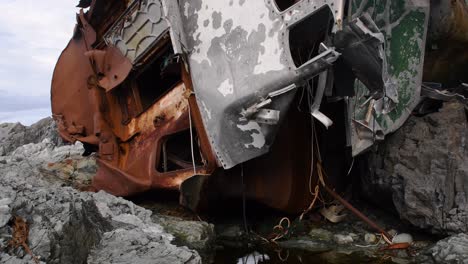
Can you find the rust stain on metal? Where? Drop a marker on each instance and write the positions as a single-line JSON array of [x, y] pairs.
[[169, 92]]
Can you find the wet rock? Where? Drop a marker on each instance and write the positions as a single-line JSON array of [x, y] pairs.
[[139, 246], [402, 238], [422, 169], [196, 235], [305, 244], [321, 234], [370, 238], [14, 135], [231, 232], [453, 249], [232, 236], [343, 239]]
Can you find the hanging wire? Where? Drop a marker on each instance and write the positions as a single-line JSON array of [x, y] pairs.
[[244, 214], [191, 141], [350, 167]]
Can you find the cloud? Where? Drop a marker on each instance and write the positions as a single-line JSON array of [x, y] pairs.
[[32, 36], [25, 117], [9, 103]]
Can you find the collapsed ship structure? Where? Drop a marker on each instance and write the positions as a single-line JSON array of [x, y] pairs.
[[194, 94]]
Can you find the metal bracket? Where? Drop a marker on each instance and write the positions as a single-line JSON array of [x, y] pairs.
[[253, 109], [267, 116]]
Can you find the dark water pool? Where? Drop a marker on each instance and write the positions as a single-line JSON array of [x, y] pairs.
[[245, 256]]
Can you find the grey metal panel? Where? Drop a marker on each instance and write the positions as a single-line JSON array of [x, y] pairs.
[[173, 18], [239, 52], [139, 29]]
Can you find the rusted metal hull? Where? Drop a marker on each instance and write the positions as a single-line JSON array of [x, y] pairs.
[[192, 95]]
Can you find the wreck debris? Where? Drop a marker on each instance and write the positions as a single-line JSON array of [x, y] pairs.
[[20, 236], [397, 246], [404, 32], [281, 229], [356, 212], [332, 213], [170, 92]]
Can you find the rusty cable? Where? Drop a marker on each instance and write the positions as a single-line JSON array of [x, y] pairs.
[[387, 237], [316, 194], [244, 214], [191, 139], [282, 231]]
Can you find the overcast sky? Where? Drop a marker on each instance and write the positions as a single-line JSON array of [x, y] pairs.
[[32, 36]]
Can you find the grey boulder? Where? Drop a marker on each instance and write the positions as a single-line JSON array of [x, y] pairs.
[[422, 169]]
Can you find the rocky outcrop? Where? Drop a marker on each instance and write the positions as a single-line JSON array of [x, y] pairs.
[[70, 226], [14, 135], [423, 170], [140, 247], [453, 250]]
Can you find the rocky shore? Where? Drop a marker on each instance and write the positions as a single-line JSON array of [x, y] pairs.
[[48, 215], [66, 225]]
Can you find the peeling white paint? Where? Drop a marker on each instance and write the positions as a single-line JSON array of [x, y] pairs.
[[226, 88], [246, 17], [258, 139], [186, 8]]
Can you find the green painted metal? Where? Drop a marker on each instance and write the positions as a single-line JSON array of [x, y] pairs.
[[404, 25]]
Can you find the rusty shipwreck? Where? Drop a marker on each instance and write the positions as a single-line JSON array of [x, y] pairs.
[[195, 94]]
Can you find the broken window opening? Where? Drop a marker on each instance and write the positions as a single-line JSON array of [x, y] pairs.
[[305, 37], [285, 4], [145, 85], [176, 152], [155, 80], [129, 100]]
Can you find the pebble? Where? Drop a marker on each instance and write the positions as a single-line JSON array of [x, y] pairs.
[[370, 238], [321, 234], [402, 238]]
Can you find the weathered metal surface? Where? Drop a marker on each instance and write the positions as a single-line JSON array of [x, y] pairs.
[[111, 66], [91, 101], [404, 25], [279, 179], [239, 52], [139, 29], [168, 91], [69, 92]]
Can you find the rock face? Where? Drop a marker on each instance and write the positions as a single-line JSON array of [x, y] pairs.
[[423, 169], [69, 226], [453, 249], [14, 135]]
